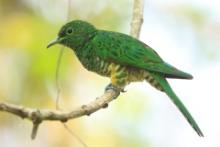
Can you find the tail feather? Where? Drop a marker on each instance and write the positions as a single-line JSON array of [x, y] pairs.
[[168, 90]]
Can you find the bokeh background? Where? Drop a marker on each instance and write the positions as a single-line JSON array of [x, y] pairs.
[[186, 33]]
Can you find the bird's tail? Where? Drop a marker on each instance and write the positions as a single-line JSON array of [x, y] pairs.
[[168, 90]]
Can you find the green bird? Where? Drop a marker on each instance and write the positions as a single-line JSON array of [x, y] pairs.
[[122, 58]]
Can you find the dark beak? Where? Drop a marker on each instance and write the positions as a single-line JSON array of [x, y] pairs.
[[55, 41]]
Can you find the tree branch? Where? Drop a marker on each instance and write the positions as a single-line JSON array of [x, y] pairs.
[[37, 116], [56, 115], [137, 18]]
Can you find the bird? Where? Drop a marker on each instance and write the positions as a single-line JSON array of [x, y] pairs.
[[122, 58]]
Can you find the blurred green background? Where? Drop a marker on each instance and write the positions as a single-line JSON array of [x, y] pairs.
[[184, 33]]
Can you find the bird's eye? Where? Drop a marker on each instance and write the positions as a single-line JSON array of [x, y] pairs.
[[69, 31]]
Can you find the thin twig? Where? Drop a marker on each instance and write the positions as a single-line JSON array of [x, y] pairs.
[[58, 88], [74, 135]]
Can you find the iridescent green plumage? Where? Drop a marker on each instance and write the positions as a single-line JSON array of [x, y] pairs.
[[122, 58]]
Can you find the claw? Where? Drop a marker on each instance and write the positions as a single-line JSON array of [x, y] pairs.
[[123, 90]]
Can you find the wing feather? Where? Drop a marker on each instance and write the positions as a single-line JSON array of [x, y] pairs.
[[128, 51]]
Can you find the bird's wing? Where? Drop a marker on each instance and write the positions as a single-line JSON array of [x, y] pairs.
[[126, 50]]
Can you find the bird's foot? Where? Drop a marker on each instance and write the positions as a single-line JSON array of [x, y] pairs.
[[114, 88]]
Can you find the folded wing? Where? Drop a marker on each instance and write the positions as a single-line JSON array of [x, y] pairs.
[[128, 51]]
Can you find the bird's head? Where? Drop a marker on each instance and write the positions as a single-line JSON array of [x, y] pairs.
[[74, 34]]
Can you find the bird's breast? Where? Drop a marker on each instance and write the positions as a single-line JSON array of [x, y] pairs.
[[97, 65]]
